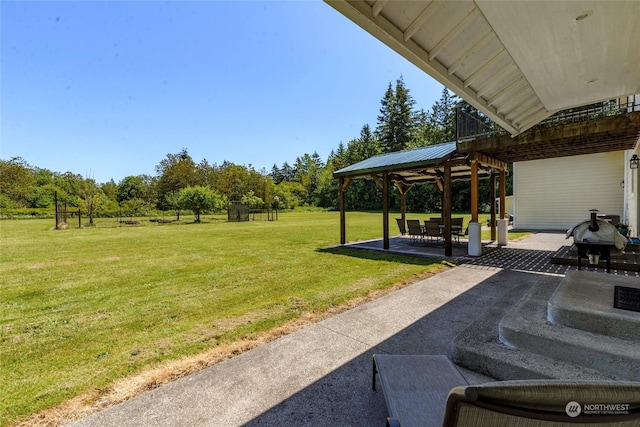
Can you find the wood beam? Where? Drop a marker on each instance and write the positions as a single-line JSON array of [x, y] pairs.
[[377, 7], [377, 179], [474, 191], [446, 210], [343, 227], [503, 194], [515, 99], [454, 32], [492, 192], [495, 80], [486, 160], [423, 16], [507, 91], [471, 51], [525, 109], [536, 117], [403, 189], [385, 210], [613, 133], [473, 77], [345, 182]]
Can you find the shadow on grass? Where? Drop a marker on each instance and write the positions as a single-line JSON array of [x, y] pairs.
[[377, 256]]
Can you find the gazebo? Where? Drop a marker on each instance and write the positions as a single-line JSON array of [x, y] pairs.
[[439, 164]]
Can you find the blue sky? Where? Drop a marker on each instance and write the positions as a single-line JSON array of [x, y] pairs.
[[107, 89]]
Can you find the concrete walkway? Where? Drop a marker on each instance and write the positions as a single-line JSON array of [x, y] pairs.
[[321, 375]]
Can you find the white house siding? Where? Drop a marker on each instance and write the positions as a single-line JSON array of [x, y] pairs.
[[555, 194]]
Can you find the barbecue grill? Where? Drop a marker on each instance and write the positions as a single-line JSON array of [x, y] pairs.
[[596, 240]]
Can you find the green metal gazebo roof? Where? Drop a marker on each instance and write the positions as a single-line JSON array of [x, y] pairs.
[[400, 160]]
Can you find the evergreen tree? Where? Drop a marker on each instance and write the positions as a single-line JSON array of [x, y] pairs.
[[443, 118], [386, 120], [396, 122], [276, 174]]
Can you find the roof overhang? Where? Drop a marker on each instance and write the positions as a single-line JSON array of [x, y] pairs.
[[518, 62], [423, 165]]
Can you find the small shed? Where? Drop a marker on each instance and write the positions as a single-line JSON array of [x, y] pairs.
[[238, 212]]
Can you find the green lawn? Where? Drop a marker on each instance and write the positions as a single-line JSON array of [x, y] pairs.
[[81, 308]]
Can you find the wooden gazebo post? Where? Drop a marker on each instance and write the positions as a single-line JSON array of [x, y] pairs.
[[492, 191], [343, 227], [344, 184], [503, 223], [446, 208], [385, 209]]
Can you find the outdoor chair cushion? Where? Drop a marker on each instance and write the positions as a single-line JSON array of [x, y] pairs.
[[544, 403]]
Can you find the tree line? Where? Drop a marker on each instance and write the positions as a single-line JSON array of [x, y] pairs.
[[181, 183]]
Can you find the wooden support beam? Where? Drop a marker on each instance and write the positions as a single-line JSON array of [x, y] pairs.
[[423, 16], [471, 51], [345, 182], [453, 33], [403, 189], [503, 194], [508, 90], [446, 210], [439, 180], [477, 73], [377, 7], [343, 233], [613, 133], [474, 191], [377, 180], [486, 160], [492, 192], [496, 80], [385, 210]]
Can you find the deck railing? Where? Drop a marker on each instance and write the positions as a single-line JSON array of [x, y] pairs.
[[472, 124]]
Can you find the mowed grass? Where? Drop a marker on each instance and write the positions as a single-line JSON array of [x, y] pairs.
[[82, 308]]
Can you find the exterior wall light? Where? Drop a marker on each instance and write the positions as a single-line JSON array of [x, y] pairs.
[[634, 162]]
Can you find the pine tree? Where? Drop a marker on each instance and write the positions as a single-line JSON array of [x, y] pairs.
[[443, 118], [386, 120], [396, 122]]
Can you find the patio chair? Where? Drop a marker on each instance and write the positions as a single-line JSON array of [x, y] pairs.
[[416, 234], [401, 226], [432, 231], [429, 391], [530, 403], [456, 228]]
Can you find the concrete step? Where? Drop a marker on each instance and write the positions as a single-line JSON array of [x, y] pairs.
[[527, 328], [585, 301], [479, 348]]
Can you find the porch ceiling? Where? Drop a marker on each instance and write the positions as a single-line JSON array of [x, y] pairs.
[[518, 62]]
